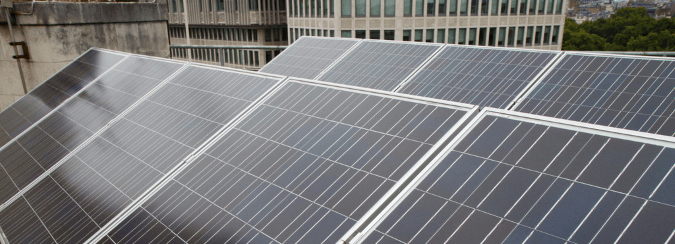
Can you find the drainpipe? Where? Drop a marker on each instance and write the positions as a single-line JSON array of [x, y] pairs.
[[187, 30], [16, 52]]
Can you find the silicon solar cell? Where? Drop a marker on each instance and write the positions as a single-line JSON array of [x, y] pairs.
[[491, 77], [98, 182], [308, 56], [303, 167], [515, 178], [379, 65], [43, 99], [626, 92]]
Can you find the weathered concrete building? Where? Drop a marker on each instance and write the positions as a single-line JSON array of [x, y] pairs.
[[55, 33], [536, 24]]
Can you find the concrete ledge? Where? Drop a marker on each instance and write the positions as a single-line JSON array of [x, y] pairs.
[[63, 13]]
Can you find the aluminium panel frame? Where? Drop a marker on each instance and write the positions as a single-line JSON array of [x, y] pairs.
[[189, 159], [612, 132]]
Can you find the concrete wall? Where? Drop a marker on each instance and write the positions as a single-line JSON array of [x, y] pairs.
[[57, 33]]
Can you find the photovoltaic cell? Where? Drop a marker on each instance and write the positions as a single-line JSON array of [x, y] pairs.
[[44, 145], [114, 169], [379, 64], [303, 167], [308, 57], [510, 180], [50, 94], [618, 91], [491, 77]]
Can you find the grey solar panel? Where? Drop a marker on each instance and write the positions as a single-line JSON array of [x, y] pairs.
[[44, 98], [309, 56], [483, 76], [517, 178], [382, 65], [62, 131], [627, 92], [304, 166], [123, 162]]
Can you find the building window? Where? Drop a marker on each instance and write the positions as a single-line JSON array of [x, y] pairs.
[[537, 36], [182, 9], [528, 39], [558, 7], [482, 35], [346, 33], [173, 4], [313, 32], [441, 7], [523, 6], [389, 34], [306, 8], [325, 8], [407, 7], [452, 9], [295, 9], [474, 7], [374, 8], [313, 8], [533, 6], [332, 8], [406, 35], [495, 7], [441, 36], [512, 36], [514, 7], [418, 35], [549, 6], [461, 38], [505, 7], [521, 34], [360, 8], [502, 37], [253, 5], [451, 36], [430, 35], [472, 36], [547, 34], [431, 11], [389, 8], [554, 35], [360, 34], [419, 7], [375, 34], [540, 10], [484, 7], [463, 7]]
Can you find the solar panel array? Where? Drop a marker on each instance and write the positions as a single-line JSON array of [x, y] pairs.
[[43, 99], [491, 77], [157, 151], [308, 57], [511, 179], [634, 93]]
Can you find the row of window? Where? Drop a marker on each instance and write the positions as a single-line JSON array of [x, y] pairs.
[[230, 34], [486, 36], [220, 5], [230, 56], [320, 8]]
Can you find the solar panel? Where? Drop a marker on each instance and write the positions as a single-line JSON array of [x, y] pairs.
[[44, 98], [483, 76], [626, 92], [303, 167], [122, 163], [379, 65], [59, 133], [516, 178], [309, 56]]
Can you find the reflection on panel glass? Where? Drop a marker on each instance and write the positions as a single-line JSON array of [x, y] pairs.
[[617, 91], [50, 94], [116, 167], [379, 65], [480, 76], [509, 181], [301, 168], [308, 56]]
